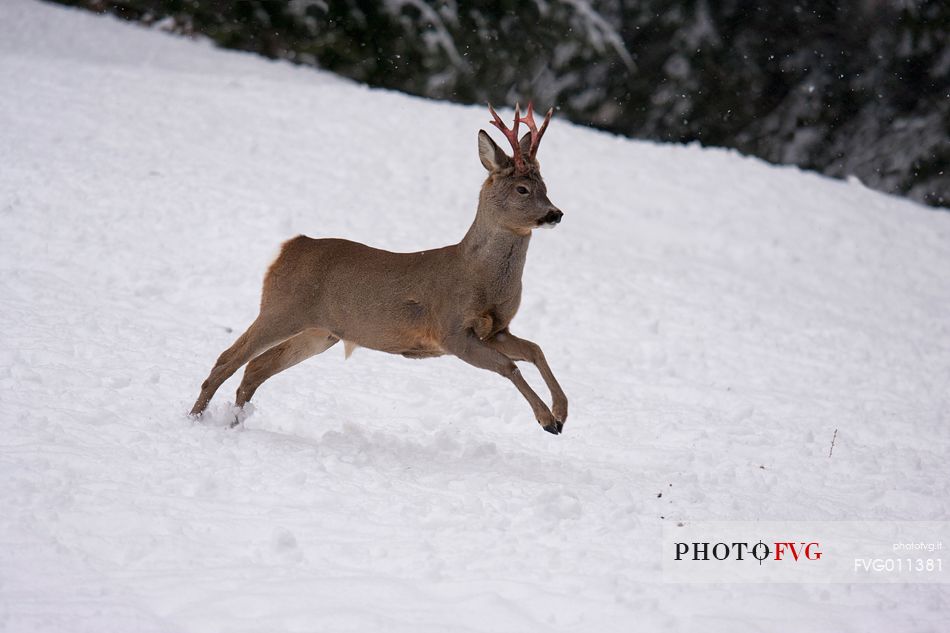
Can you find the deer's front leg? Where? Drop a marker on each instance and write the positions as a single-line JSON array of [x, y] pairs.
[[474, 351], [520, 349]]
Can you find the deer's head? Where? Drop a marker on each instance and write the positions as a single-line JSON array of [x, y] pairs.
[[514, 192]]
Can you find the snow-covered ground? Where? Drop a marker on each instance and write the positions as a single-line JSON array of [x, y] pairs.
[[713, 320]]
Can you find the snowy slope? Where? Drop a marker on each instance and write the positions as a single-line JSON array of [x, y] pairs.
[[713, 320]]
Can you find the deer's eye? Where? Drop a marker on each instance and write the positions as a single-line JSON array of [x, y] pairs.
[[522, 190]]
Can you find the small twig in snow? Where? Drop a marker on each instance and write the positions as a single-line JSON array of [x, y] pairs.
[[833, 443]]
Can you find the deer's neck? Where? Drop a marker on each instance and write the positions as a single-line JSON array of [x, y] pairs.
[[497, 253]]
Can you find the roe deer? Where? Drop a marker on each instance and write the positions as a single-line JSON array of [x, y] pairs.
[[455, 300]]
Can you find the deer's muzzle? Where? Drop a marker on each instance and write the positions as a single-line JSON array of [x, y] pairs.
[[551, 218]]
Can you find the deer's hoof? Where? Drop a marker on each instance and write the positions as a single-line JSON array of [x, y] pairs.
[[552, 428], [240, 413]]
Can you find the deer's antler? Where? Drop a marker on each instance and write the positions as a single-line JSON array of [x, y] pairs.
[[511, 135], [536, 134], [521, 164]]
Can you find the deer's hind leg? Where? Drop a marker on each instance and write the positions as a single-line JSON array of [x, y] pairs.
[[294, 350], [261, 336]]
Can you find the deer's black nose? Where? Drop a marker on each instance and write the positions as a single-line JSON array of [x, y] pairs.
[[552, 217]]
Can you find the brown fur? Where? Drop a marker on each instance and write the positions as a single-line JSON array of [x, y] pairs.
[[458, 299]]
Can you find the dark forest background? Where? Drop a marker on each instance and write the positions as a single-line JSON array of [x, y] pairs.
[[859, 87]]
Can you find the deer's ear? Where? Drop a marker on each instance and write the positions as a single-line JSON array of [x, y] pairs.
[[525, 144], [492, 157]]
